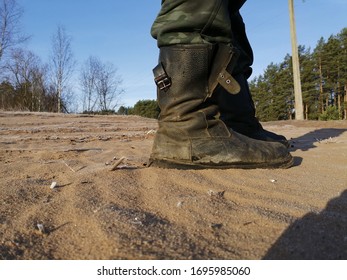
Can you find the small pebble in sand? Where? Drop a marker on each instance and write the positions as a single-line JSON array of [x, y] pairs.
[[219, 194], [41, 228], [179, 204], [53, 185]]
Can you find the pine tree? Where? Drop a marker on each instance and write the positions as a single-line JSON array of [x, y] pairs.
[[323, 79], [342, 37]]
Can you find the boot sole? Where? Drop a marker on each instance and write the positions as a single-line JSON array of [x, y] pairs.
[[169, 164]]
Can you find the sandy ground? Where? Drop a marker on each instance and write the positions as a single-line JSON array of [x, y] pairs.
[[139, 212]]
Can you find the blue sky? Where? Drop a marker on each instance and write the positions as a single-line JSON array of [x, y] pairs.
[[118, 32]]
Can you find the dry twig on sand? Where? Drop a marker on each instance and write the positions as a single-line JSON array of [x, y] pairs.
[[117, 163]]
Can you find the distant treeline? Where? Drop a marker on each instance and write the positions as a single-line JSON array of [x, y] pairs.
[[323, 79], [144, 108]]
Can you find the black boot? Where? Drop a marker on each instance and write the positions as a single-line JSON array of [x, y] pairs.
[[190, 134], [238, 112]]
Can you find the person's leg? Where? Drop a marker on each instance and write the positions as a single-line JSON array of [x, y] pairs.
[[195, 57], [192, 22], [238, 111]]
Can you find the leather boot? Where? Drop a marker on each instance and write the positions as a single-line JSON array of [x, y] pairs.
[[190, 134], [238, 113]]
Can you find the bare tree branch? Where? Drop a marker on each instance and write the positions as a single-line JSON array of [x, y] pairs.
[[26, 72], [62, 63], [88, 83], [100, 83], [10, 29]]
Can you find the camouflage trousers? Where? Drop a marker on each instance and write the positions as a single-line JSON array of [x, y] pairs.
[[204, 21]]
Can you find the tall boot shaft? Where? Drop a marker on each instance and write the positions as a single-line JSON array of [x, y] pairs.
[[190, 133], [238, 113]]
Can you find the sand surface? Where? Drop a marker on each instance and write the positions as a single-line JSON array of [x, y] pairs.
[[136, 212]]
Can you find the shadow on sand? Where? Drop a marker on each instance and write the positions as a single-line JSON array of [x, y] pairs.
[[307, 141], [316, 236]]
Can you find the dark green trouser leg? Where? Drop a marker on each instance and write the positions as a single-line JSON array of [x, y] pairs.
[[192, 22], [204, 21]]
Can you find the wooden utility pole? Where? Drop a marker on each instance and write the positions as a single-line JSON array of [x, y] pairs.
[[299, 110]]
